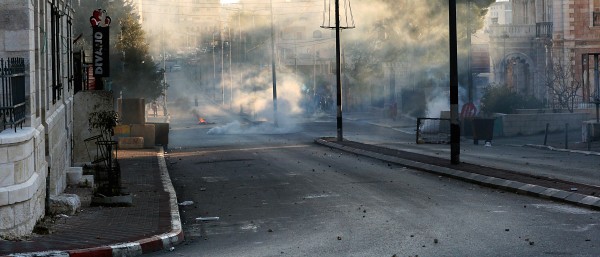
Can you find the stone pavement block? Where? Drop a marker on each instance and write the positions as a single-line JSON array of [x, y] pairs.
[[575, 197], [561, 195], [589, 200], [515, 184], [131, 143], [549, 192]]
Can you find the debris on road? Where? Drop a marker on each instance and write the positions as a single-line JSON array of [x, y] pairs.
[[207, 218], [186, 203]]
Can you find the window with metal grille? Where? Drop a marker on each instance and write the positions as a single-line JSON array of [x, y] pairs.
[[57, 85], [12, 92]]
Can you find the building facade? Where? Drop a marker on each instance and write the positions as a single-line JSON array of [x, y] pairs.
[[36, 109], [545, 33]]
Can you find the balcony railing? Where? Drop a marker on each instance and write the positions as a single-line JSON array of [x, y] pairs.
[[513, 31], [12, 92], [543, 30]]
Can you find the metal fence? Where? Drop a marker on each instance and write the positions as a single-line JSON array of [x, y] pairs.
[[578, 102], [12, 92], [433, 131]]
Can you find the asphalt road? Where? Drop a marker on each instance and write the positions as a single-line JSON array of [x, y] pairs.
[[278, 194]]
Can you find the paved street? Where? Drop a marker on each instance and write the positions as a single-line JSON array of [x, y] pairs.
[[279, 194]]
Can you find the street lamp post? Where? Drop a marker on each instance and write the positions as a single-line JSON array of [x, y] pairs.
[[273, 69], [454, 122]]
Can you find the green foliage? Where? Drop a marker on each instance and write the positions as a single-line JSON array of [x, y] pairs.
[[500, 99], [105, 121], [116, 9], [132, 68], [137, 75]]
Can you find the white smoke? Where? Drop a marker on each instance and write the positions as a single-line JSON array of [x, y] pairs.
[[257, 111]]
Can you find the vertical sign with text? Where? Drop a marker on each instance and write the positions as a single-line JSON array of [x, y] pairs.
[[100, 51]]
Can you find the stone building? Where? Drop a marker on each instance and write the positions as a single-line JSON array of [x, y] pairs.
[[35, 109], [519, 52], [544, 32], [576, 40]]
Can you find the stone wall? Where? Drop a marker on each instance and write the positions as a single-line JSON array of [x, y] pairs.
[[530, 124], [22, 181], [85, 103], [58, 157]]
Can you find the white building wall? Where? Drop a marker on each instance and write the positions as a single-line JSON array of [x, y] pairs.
[[42, 145]]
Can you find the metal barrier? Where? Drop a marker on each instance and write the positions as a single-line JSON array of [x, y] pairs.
[[12, 92], [433, 131]]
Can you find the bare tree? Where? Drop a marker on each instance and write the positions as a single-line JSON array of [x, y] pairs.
[[563, 86]]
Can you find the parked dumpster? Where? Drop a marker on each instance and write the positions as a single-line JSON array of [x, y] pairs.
[[483, 129]]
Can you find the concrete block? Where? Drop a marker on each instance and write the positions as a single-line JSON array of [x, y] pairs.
[[575, 197], [3, 155], [132, 110], [7, 174], [87, 181], [561, 195], [21, 174], [15, 153], [590, 200], [17, 194], [22, 212], [74, 175], [64, 204], [147, 131], [137, 130], [149, 135], [3, 196], [7, 217], [122, 131], [131, 143]]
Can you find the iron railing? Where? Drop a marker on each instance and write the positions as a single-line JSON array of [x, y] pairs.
[[12, 92], [578, 102], [433, 131], [543, 30]]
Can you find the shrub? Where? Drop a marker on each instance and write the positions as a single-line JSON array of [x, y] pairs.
[[500, 99]]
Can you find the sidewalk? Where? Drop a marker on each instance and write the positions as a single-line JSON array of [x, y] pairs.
[[151, 224], [540, 176], [554, 141]]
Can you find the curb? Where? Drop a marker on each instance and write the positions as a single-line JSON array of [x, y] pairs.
[[546, 147], [504, 184], [148, 245]]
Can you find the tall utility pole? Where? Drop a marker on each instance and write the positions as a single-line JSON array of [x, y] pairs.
[[222, 65], [338, 66], [340, 132], [230, 71], [470, 55], [273, 67], [454, 123], [214, 67]]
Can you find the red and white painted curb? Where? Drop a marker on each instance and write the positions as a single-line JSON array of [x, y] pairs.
[[156, 243]]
